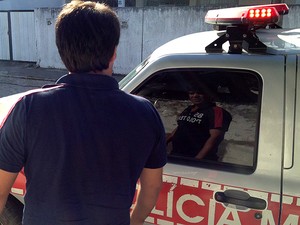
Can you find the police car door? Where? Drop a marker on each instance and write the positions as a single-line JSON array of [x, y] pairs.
[[291, 172], [244, 185]]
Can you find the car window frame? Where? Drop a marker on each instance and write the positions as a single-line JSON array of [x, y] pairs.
[[216, 165]]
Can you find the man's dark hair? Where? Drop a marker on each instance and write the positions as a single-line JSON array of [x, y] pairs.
[[87, 34]]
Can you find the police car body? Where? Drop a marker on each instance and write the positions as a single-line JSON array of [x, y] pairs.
[[252, 68], [255, 76]]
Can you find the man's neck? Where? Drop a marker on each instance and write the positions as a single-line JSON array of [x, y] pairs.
[[107, 72]]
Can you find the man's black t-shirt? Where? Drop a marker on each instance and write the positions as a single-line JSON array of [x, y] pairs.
[[193, 129]]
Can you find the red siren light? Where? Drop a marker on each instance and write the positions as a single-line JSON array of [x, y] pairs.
[[261, 15], [252, 15]]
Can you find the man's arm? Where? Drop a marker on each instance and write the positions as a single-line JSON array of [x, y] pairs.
[[150, 186], [170, 136], [7, 180], [215, 138]]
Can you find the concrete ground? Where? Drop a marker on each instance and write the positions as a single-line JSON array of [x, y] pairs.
[[16, 77]]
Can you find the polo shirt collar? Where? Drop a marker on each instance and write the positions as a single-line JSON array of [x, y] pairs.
[[86, 80]]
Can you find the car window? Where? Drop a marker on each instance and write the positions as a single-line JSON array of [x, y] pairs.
[[231, 110]]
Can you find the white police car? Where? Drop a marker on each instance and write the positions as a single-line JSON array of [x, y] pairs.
[[251, 68]]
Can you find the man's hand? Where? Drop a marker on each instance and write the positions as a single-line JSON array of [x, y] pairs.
[[7, 180], [150, 185]]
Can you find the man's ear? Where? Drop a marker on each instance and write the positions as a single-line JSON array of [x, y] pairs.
[[109, 70]]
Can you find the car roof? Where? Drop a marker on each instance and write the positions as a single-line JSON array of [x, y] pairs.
[[278, 42]]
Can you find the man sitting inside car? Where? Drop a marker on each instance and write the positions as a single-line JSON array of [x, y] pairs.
[[201, 127]]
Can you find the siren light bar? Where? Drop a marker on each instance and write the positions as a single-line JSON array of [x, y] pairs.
[[258, 15]]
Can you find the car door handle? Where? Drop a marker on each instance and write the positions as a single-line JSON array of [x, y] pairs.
[[240, 198]]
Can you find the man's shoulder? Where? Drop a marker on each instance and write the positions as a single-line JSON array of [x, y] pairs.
[[140, 106], [8, 103], [138, 100], [226, 115], [43, 89]]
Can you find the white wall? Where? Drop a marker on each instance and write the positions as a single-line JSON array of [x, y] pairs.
[[166, 23], [142, 31], [131, 42], [293, 18], [47, 53], [29, 4], [4, 38]]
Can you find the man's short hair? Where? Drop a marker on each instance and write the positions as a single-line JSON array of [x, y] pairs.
[[87, 34]]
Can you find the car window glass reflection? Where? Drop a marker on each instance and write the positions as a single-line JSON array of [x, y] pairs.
[[209, 115]]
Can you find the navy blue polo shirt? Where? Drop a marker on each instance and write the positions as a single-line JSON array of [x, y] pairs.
[[83, 145]]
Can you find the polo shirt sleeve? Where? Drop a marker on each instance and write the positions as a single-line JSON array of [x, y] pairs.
[[12, 134], [220, 120], [158, 156]]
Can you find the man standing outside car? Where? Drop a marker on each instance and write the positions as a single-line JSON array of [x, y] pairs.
[[84, 143]]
